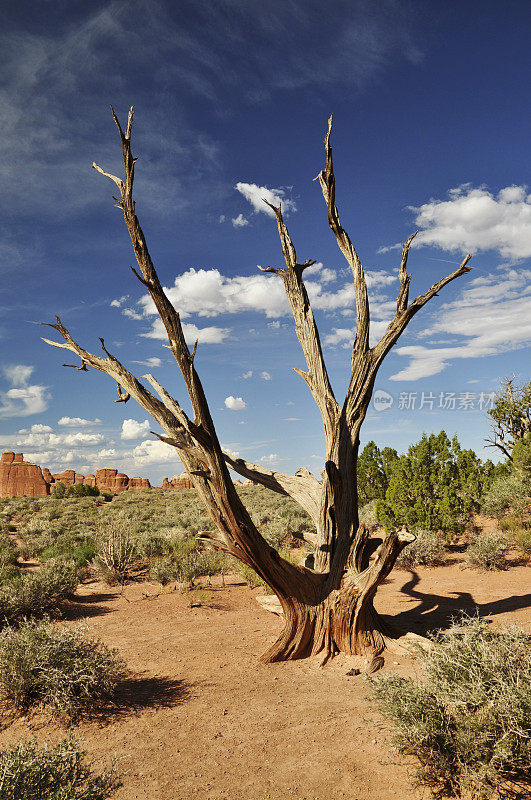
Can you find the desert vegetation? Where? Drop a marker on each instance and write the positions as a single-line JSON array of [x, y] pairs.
[[468, 721]]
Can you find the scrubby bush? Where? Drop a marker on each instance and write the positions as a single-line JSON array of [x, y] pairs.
[[427, 550], [487, 551], [512, 492], [116, 553], [469, 722], [368, 516], [8, 551], [59, 772], [42, 664], [32, 594]]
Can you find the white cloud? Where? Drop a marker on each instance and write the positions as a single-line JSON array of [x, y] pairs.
[[345, 336], [77, 422], [37, 428], [231, 453], [475, 219], [240, 221], [18, 374], [131, 313], [265, 376], [274, 325], [235, 403], [209, 293], [272, 458], [131, 429], [149, 362], [209, 335], [119, 301], [154, 452], [247, 375], [493, 313], [82, 439], [257, 194]]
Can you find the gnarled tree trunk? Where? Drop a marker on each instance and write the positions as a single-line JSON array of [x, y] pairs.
[[329, 608]]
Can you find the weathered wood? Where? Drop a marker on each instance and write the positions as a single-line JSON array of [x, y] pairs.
[[328, 608]]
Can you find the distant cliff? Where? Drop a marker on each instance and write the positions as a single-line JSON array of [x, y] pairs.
[[18, 478]]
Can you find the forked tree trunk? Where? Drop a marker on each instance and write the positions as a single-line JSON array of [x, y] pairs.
[[327, 609]]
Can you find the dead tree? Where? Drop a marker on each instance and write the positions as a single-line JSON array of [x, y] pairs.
[[327, 609]]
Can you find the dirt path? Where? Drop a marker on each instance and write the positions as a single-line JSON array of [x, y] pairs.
[[203, 719]]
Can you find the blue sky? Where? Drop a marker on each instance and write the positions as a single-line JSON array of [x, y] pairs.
[[431, 132]]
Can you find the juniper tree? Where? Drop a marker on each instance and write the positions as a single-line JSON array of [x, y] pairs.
[[329, 608]]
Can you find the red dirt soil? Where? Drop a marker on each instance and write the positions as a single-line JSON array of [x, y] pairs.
[[202, 718]]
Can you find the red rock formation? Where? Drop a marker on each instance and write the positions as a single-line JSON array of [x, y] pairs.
[[182, 481], [21, 479]]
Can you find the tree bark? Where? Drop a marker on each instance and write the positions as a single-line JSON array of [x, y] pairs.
[[327, 609]]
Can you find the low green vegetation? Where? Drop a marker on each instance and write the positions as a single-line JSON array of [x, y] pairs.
[[487, 551], [35, 593], [42, 664], [58, 772], [469, 721], [427, 550]]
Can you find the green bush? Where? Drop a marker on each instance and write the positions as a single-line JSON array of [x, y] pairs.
[[469, 722], [32, 594], [487, 551], [42, 664], [511, 492], [427, 550], [30, 772], [8, 551]]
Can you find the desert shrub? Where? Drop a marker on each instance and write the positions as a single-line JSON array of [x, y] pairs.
[[469, 722], [367, 514], [116, 552], [42, 664], [8, 551], [32, 594], [487, 551], [58, 772], [427, 550], [81, 549], [58, 490], [512, 492], [162, 570]]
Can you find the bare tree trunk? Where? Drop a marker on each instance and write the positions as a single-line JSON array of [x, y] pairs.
[[327, 609]]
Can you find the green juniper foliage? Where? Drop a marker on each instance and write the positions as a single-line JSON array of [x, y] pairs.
[[435, 486]]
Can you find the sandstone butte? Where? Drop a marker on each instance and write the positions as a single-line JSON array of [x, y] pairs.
[[18, 478]]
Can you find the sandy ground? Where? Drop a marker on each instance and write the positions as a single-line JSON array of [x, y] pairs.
[[202, 718]]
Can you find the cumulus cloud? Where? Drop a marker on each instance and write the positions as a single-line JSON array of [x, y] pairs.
[[266, 376], [493, 315], [256, 195], [473, 219], [209, 335], [235, 403], [24, 399], [209, 293], [247, 375], [131, 429], [77, 422], [153, 452], [119, 301], [240, 221]]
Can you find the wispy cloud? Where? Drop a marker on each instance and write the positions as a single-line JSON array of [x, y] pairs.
[[493, 313], [23, 399]]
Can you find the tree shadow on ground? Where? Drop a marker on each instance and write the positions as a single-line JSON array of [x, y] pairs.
[[136, 693], [86, 606], [435, 611]]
